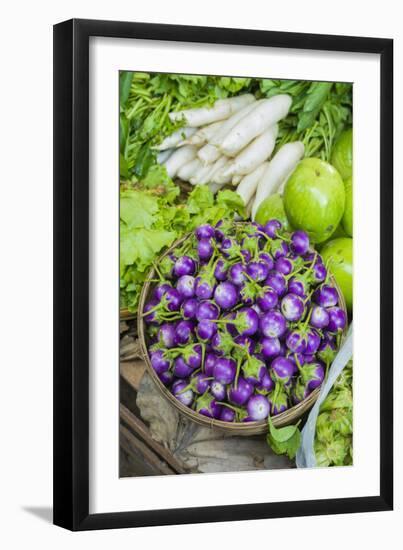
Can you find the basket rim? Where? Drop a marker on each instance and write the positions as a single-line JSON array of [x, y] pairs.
[[284, 418]]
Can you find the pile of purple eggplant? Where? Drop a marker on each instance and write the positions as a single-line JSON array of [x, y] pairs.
[[244, 320]]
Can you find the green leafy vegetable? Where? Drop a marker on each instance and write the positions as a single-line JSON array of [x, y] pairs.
[[284, 440], [334, 426], [152, 218]]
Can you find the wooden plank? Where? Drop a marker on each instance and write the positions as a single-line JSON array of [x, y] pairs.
[[141, 430], [132, 372], [132, 445]]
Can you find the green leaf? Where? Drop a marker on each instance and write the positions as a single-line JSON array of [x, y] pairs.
[[315, 100], [145, 158], [231, 201], [137, 209], [338, 399], [139, 246], [125, 82], [284, 440], [281, 434], [123, 167], [289, 447], [199, 199]]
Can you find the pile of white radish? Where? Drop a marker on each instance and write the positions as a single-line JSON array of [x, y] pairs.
[[233, 142]]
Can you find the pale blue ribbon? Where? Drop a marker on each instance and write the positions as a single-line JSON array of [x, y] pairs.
[[306, 453]]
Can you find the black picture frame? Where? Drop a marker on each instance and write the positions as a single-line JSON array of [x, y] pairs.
[[71, 273]]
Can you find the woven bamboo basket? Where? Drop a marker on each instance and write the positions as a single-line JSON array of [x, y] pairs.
[[289, 416]]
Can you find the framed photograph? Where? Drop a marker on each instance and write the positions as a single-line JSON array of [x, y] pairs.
[[223, 267]]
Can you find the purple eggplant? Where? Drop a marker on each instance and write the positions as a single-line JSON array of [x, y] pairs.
[[227, 414], [246, 321], [282, 369], [205, 249], [337, 319], [218, 390], [297, 285], [199, 382], [271, 347], [158, 362], [204, 288], [277, 282], [267, 259], [181, 369], [292, 307], [209, 363], [193, 355], [205, 330], [272, 228], [246, 342], [183, 393], [205, 231], [160, 290], [299, 242], [166, 377], [267, 300], [297, 340], [173, 299], [258, 408], [284, 265], [221, 270], [236, 274], [189, 308], [207, 310], [184, 332], [319, 272], [208, 406], [184, 266], [273, 324], [258, 271], [319, 317], [313, 342], [166, 335], [279, 248], [266, 384], [312, 375], [240, 391], [186, 286], [253, 369], [278, 402], [326, 296], [226, 295], [224, 370], [327, 349]]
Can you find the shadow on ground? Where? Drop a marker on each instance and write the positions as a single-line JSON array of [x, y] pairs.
[[45, 513]]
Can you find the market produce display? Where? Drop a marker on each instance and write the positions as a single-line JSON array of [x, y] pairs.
[[245, 317], [244, 321]]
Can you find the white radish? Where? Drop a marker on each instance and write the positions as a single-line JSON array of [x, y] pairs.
[[228, 124], [260, 119], [223, 108], [222, 175], [163, 156], [208, 153], [215, 168], [283, 162], [179, 158], [247, 188], [203, 134], [214, 187], [255, 153], [204, 174], [200, 174], [174, 139], [236, 179], [248, 208], [188, 170]]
